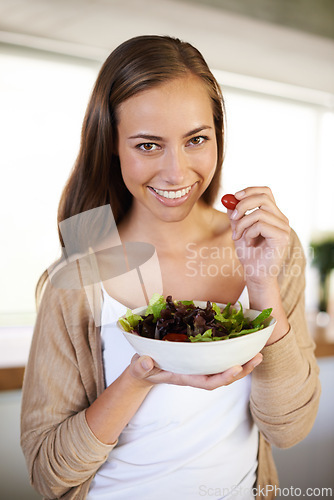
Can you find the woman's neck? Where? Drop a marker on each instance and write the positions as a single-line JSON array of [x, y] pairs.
[[141, 225]]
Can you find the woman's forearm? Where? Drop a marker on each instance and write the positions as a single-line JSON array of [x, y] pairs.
[[115, 407]]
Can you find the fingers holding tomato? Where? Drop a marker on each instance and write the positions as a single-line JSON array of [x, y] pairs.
[[253, 204], [256, 198], [230, 201], [257, 223]]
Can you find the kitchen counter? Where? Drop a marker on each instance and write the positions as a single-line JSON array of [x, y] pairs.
[[14, 351]]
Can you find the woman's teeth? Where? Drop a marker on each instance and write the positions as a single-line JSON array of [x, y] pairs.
[[173, 194]]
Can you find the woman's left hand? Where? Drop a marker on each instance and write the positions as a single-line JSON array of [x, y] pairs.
[[260, 236]]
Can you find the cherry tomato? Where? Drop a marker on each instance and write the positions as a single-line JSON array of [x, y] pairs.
[[229, 201], [176, 337]]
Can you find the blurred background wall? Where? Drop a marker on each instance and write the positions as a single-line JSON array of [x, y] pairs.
[[275, 62]]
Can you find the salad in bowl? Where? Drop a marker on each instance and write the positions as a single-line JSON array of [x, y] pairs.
[[196, 337]]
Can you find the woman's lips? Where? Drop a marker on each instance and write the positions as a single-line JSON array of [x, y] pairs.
[[172, 197]]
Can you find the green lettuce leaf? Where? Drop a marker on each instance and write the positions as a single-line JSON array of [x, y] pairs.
[[130, 321], [155, 305], [262, 316]]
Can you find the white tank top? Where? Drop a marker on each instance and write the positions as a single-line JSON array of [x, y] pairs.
[[183, 443]]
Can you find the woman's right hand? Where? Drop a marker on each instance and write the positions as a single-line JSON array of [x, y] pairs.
[[143, 369]]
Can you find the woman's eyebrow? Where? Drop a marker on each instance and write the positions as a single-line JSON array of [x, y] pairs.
[[197, 130], [150, 137]]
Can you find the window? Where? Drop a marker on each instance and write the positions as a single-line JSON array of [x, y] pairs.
[[42, 103]]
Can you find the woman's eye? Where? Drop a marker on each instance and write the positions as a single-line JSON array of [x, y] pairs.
[[147, 146], [196, 141]]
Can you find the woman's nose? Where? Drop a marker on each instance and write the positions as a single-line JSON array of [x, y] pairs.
[[174, 167]]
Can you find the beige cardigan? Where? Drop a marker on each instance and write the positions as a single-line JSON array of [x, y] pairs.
[[64, 376]]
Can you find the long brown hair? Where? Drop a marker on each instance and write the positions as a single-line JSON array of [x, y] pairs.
[[136, 65]]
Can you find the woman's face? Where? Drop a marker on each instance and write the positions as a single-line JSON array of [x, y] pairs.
[[167, 147]]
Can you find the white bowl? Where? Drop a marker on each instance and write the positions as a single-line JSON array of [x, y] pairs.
[[202, 358]]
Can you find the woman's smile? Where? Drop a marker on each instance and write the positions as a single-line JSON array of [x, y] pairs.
[[172, 194], [172, 197]]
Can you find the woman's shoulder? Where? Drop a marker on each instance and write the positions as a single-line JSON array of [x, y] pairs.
[[65, 295]]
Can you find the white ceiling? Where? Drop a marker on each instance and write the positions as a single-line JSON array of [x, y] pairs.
[[310, 16], [229, 42]]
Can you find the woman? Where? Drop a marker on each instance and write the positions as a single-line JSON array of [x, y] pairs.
[[99, 421]]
